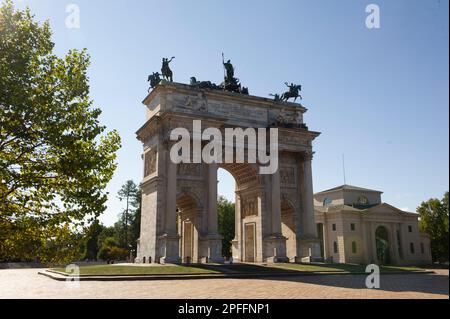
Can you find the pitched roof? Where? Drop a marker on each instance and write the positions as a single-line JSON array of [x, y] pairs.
[[367, 209], [349, 188]]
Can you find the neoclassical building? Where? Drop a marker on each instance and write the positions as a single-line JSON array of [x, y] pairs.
[[355, 226]]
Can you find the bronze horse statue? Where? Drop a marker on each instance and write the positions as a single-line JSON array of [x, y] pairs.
[[154, 80], [294, 92]]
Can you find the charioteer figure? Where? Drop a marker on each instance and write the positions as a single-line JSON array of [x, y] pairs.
[[165, 69], [231, 83], [229, 70]]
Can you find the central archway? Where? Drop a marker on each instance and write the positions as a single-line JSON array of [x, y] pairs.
[[246, 245], [382, 245]]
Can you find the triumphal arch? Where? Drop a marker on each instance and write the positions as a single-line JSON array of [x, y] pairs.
[[274, 216]]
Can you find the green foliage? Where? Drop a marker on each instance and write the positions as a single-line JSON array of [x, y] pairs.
[[105, 233], [55, 157], [110, 250], [91, 246], [434, 221], [225, 211], [128, 227]]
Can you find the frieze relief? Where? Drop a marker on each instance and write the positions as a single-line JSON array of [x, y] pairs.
[[201, 103], [150, 162], [249, 207], [189, 169], [293, 140], [288, 176]]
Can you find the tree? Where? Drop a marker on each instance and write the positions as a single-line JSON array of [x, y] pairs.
[[110, 251], [225, 211], [91, 246], [55, 157], [128, 193], [135, 223], [434, 221], [106, 233]]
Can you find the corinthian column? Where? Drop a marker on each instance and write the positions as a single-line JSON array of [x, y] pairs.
[[214, 239], [170, 240], [212, 199], [308, 196], [276, 204], [171, 197]]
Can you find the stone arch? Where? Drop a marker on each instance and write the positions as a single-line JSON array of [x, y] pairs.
[[187, 196], [245, 174], [247, 243]]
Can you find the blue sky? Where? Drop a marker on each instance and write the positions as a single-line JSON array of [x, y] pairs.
[[379, 96]]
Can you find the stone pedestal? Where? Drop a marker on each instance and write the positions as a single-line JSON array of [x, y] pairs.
[[170, 246], [235, 251], [275, 249], [310, 251], [215, 249]]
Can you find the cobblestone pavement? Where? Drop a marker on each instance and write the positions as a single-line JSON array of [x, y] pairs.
[[28, 284]]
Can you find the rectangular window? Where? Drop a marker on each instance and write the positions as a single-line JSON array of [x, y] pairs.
[[422, 248], [354, 247], [352, 227], [333, 227], [335, 247], [399, 244], [411, 248], [410, 228]]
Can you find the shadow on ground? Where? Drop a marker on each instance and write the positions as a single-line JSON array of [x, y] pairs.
[[407, 281]]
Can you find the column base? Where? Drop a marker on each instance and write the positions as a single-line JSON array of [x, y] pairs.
[[235, 252], [169, 260], [215, 249], [309, 251], [169, 246], [275, 249]]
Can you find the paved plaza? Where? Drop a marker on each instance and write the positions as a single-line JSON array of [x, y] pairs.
[[26, 283]]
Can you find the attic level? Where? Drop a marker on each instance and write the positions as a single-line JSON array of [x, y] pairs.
[[348, 195]]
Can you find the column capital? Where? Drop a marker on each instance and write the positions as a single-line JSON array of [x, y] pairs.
[[308, 155]]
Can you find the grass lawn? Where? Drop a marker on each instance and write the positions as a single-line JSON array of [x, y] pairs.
[[344, 267], [113, 270]]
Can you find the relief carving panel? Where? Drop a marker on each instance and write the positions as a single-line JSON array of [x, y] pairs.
[[150, 162]]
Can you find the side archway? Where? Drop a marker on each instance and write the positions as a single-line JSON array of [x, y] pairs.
[[288, 229], [187, 208]]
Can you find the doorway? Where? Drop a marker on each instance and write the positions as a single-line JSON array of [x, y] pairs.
[[250, 242], [382, 245]]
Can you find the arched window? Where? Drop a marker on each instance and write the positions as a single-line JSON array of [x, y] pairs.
[[327, 202], [335, 247]]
